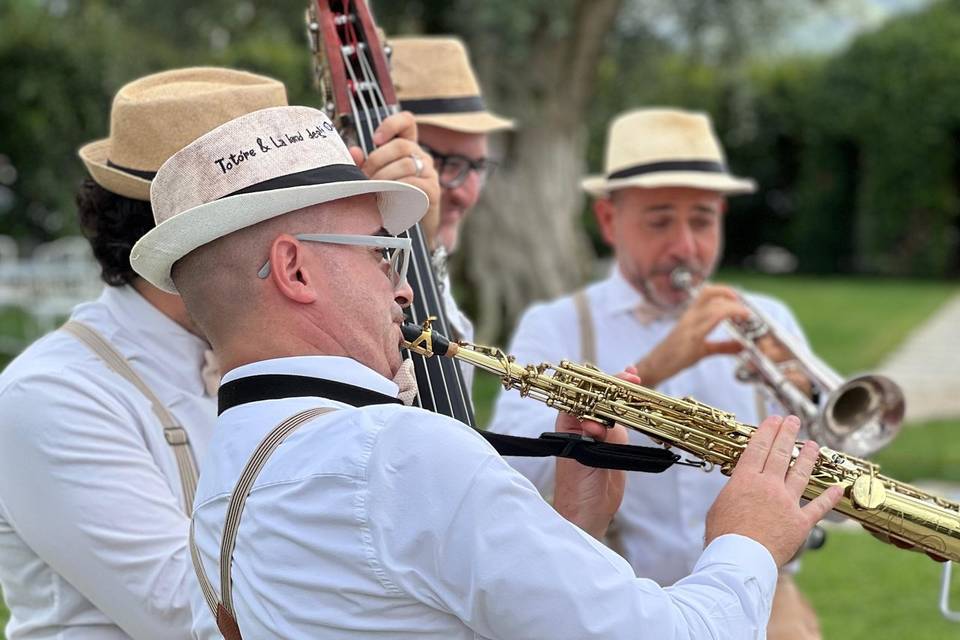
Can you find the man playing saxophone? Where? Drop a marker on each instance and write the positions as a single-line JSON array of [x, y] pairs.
[[660, 206]]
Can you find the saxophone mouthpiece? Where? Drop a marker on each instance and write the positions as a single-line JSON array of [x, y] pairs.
[[423, 340]]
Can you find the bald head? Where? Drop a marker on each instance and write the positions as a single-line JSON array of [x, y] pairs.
[[318, 298]]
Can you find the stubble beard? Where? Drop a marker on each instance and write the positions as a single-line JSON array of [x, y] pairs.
[[671, 306]]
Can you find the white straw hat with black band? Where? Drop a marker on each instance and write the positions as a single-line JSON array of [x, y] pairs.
[[251, 169], [652, 148], [155, 116], [435, 81]]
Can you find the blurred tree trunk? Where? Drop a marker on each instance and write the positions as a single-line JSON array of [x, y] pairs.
[[526, 241]]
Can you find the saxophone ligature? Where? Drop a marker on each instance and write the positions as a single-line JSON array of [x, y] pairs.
[[893, 509]]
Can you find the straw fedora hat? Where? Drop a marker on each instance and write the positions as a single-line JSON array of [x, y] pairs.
[[256, 167], [434, 81], [664, 148], [154, 117]]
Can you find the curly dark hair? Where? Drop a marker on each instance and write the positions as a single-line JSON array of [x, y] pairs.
[[112, 224]]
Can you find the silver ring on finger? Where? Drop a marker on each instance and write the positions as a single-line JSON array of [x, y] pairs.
[[418, 163]]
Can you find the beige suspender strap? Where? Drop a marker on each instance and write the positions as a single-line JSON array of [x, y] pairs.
[[588, 353], [222, 609], [174, 434], [588, 338]]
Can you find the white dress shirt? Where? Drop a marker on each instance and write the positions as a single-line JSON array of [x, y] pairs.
[[93, 534], [661, 520], [390, 522]]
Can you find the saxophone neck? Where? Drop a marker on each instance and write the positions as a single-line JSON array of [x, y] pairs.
[[424, 341]]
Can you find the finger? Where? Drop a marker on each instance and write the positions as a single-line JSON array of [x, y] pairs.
[[429, 187], [754, 456], [712, 292], [393, 151], [616, 435], [629, 375], [405, 167], [816, 509], [567, 423], [781, 453], [357, 154], [723, 309], [593, 429], [722, 347], [399, 125], [799, 474], [705, 319]]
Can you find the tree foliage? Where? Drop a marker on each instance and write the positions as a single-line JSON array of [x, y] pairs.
[[857, 153], [887, 109]]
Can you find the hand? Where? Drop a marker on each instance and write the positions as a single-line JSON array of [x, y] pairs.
[[776, 352], [587, 496], [687, 344], [762, 498], [396, 140]]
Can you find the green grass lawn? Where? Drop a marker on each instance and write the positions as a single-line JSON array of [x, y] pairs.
[[863, 589], [852, 323], [860, 587]]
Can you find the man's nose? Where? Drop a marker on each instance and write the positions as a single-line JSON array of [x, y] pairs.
[[403, 294], [683, 244]]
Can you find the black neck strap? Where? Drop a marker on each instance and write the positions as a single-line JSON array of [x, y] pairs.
[[280, 385], [562, 445]]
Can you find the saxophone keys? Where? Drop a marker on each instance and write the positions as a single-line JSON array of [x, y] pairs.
[[868, 492]]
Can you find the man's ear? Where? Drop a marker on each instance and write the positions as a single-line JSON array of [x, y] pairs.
[[604, 210], [289, 272]]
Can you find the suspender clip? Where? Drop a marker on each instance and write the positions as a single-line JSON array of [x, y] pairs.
[[176, 436]]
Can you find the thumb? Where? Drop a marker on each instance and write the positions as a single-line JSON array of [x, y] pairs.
[[722, 346], [822, 504], [357, 154]]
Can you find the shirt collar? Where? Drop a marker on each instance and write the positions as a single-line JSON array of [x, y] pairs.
[[336, 368], [166, 342]]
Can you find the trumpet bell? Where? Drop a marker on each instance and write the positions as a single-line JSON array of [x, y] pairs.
[[862, 415]]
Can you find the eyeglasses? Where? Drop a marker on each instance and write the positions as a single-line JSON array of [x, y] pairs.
[[394, 251], [454, 168]]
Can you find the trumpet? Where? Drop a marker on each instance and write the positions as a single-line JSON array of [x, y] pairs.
[[859, 415], [895, 509]]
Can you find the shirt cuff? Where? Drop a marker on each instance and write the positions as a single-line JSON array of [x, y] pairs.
[[751, 557]]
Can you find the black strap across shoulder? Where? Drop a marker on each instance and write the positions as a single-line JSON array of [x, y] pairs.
[[626, 457], [562, 445]]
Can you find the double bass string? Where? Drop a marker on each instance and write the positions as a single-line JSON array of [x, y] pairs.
[[373, 120], [364, 80]]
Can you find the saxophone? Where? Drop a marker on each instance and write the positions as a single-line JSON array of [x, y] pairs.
[[893, 509]]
